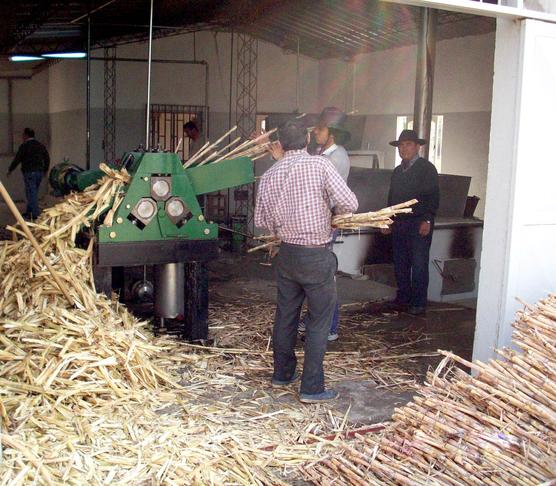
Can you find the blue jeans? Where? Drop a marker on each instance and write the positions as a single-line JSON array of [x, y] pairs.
[[336, 317], [411, 262], [32, 182], [335, 320], [303, 273]]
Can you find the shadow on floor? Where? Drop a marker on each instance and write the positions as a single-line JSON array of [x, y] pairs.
[[445, 326]]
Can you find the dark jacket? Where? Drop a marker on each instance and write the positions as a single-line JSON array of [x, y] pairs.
[[33, 157], [419, 182]]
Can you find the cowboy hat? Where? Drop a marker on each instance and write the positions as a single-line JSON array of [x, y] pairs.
[[408, 135], [334, 118]]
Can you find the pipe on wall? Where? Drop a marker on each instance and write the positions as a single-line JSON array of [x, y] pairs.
[[207, 101], [88, 151], [11, 147], [426, 54], [148, 121]]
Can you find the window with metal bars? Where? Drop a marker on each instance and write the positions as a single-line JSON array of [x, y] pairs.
[[167, 127]]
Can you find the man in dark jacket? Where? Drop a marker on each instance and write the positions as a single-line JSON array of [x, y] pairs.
[[35, 161], [414, 178]]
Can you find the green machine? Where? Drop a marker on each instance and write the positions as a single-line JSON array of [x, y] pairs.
[[159, 223]]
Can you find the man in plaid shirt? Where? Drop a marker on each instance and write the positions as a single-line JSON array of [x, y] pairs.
[[295, 201]]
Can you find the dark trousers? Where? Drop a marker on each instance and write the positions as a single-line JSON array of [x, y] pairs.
[[303, 273], [32, 182], [411, 262]]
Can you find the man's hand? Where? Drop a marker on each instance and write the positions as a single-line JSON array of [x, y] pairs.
[[273, 251], [262, 137], [386, 231], [275, 150], [424, 228]]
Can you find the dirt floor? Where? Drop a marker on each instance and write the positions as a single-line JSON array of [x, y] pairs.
[[363, 318], [375, 364], [250, 278]]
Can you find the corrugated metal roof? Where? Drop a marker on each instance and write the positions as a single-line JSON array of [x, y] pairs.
[[344, 28], [321, 28]]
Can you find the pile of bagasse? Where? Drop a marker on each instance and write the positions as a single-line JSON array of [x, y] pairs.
[[88, 395]]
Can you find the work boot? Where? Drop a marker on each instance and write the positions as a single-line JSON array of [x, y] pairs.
[[395, 306], [324, 396], [415, 310], [294, 378]]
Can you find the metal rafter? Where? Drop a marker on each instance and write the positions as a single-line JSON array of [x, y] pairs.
[[109, 104], [246, 111], [38, 15], [246, 102]]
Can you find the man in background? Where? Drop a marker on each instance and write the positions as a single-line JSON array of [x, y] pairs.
[[35, 161], [331, 135], [192, 132], [296, 199], [414, 178]]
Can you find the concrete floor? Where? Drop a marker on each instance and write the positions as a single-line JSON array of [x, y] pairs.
[[445, 326]]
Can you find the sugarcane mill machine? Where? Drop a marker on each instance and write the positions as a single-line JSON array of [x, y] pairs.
[[159, 226]]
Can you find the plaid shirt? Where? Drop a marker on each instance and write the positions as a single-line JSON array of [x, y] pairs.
[[296, 195]]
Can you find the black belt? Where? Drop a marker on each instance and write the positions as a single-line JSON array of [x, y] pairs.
[[324, 245]]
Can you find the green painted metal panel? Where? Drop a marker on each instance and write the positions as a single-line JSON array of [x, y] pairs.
[[186, 184], [82, 180], [161, 227], [222, 175]]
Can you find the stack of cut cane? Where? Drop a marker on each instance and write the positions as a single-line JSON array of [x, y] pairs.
[[497, 428]]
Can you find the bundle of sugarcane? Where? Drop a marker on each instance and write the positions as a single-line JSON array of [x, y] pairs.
[[254, 148], [372, 219], [498, 428], [270, 242], [210, 153]]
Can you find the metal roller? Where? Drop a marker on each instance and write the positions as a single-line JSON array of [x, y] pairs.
[[169, 290]]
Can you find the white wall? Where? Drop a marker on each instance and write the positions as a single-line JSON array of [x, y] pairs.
[[171, 84], [30, 109], [385, 87], [520, 220]]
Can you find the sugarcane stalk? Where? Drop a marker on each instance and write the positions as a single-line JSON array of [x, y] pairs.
[[229, 155], [243, 146], [195, 156], [19, 218], [264, 246], [214, 145], [223, 149]]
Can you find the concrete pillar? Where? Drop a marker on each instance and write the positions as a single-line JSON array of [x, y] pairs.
[[519, 240], [424, 80]]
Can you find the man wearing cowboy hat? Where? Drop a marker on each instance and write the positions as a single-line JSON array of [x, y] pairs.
[[331, 135], [414, 178]]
